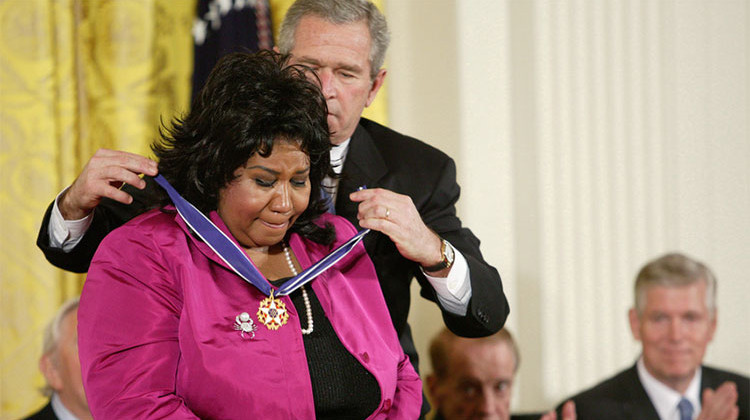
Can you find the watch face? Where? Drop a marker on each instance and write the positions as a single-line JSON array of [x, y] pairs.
[[448, 252]]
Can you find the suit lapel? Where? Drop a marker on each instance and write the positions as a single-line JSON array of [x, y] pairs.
[[364, 165], [709, 379], [637, 404]]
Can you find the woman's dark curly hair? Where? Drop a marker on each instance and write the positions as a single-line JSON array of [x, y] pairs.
[[248, 102]]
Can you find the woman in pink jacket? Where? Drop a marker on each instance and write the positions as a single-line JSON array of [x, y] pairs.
[[204, 312]]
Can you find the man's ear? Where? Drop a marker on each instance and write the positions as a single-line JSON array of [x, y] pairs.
[[377, 83], [635, 324], [713, 321], [49, 370]]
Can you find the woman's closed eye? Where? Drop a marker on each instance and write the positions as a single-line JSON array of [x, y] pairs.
[[266, 183], [301, 182]]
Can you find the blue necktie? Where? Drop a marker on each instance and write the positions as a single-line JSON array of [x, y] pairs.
[[686, 409], [328, 199]]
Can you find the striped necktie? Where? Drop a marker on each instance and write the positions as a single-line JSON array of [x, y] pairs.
[[328, 199]]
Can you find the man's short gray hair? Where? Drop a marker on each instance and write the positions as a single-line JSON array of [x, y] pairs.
[[340, 12], [674, 270], [52, 332]]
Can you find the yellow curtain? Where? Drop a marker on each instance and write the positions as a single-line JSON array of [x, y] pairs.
[[378, 110], [75, 76]]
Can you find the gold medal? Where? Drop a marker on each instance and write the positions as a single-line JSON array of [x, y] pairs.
[[272, 313]]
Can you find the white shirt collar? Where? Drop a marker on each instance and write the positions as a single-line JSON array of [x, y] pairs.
[[60, 410], [338, 155], [664, 398]]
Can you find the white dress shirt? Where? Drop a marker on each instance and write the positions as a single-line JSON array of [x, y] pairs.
[[60, 410], [338, 157], [63, 233], [664, 398], [454, 291]]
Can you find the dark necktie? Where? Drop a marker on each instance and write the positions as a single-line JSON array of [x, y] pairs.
[[686, 409]]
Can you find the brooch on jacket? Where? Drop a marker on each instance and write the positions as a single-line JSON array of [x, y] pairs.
[[245, 325]]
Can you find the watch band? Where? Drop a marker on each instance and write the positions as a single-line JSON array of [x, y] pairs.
[[448, 256]]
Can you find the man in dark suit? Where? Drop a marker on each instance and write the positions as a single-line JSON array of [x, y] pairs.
[[674, 318], [61, 369], [411, 190], [473, 378]]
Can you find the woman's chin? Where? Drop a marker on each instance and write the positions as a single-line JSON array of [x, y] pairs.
[[267, 240]]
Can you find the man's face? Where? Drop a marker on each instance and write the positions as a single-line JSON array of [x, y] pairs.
[[64, 374], [339, 53], [478, 382], [675, 329]]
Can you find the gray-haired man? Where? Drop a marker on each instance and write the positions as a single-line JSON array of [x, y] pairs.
[[674, 318]]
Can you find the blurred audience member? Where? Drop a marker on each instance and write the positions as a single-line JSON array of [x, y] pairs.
[[674, 318], [473, 377], [61, 369]]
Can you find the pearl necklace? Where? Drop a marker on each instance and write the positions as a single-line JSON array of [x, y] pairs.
[[308, 311]]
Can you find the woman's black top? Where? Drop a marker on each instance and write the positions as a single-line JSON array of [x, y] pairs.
[[342, 387]]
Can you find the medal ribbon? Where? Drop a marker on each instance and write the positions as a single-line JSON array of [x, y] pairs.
[[236, 258]]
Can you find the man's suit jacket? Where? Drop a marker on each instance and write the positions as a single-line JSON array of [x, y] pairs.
[[623, 396], [378, 157], [46, 413]]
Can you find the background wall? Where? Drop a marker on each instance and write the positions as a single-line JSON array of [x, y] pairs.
[[590, 137]]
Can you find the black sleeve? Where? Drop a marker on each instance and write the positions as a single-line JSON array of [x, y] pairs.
[[488, 308], [108, 216]]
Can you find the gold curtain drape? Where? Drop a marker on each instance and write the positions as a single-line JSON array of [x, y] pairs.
[[75, 76]]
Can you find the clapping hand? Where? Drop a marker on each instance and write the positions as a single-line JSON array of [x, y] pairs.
[[720, 404], [568, 412]]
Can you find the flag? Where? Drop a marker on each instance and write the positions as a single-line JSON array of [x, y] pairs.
[[224, 26]]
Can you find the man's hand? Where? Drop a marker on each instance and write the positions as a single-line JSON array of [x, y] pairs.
[[396, 216], [720, 404], [568, 412], [103, 176]]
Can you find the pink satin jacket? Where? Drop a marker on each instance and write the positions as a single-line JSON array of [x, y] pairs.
[[157, 335]]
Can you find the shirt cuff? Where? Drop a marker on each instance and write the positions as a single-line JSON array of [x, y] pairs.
[[454, 291], [66, 234]]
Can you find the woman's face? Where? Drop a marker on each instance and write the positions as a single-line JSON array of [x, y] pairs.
[[267, 195]]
